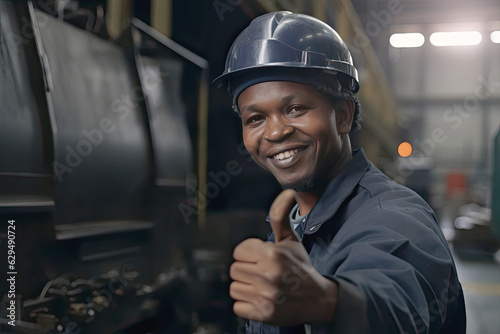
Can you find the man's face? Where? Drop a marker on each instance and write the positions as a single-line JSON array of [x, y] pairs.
[[293, 131]]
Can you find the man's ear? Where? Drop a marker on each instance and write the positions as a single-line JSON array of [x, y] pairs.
[[345, 116]]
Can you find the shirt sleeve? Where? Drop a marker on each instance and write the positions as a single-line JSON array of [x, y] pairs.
[[394, 272], [351, 303]]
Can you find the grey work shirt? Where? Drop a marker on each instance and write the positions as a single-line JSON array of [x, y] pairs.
[[383, 246]]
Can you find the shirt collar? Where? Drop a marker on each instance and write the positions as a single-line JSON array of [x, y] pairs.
[[337, 191]]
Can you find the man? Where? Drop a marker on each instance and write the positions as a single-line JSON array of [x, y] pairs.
[[364, 254]]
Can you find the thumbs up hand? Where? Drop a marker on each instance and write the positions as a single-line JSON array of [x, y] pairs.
[[277, 283]]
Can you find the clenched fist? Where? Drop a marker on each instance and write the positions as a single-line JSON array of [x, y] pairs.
[[276, 283]]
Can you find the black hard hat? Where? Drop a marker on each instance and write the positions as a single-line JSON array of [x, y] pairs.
[[286, 44]]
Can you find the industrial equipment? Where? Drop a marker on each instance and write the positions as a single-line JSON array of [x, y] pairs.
[[495, 198], [95, 157]]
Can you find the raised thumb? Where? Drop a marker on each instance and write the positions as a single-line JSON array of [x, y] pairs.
[[278, 215]]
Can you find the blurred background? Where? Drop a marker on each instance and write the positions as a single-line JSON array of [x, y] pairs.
[[124, 172]]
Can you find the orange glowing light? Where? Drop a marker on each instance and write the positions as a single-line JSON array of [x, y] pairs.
[[404, 149]]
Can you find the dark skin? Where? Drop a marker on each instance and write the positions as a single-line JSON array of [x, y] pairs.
[[293, 131]]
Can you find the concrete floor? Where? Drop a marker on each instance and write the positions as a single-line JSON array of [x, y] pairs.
[[481, 285]]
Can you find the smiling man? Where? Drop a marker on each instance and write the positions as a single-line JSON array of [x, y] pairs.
[[292, 130], [351, 250]]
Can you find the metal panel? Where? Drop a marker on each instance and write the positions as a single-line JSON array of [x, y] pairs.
[[162, 80], [25, 181], [102, 147], [155, 53], [20, 129]]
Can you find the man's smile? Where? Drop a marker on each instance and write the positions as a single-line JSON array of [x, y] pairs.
[[286, 154], [286, 158]]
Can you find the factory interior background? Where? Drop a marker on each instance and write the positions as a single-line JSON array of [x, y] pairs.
[[124, 170]]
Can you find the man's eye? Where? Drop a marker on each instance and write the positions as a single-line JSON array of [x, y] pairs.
[[296, 110], [254, 120]]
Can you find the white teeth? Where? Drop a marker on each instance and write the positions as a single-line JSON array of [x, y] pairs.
[[286, 154]]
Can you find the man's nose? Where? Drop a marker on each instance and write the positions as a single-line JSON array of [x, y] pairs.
[[277, 129]]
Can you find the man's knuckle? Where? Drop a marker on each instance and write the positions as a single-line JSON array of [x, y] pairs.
[[233, 289], [272, 275], [232, 270], [266, 308], [271, 294]]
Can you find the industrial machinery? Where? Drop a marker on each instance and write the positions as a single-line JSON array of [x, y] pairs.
[[478, 227], [495, 198], [95, 157]]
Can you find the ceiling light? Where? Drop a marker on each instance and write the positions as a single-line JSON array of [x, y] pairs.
[[456, 38], [407, 40], [495, 36]]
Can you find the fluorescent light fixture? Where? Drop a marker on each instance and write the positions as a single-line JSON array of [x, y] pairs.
[[407, 40], [495, 36], [456, 38]]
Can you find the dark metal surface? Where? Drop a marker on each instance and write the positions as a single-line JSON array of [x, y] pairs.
[[19, 120], [170, 77], [169, 131], [85, 230], [102, 156], [94, 155], [184, 77], [24, 158]]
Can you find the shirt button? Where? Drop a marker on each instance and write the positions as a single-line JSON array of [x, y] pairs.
[[312, 228], [303, 220]]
